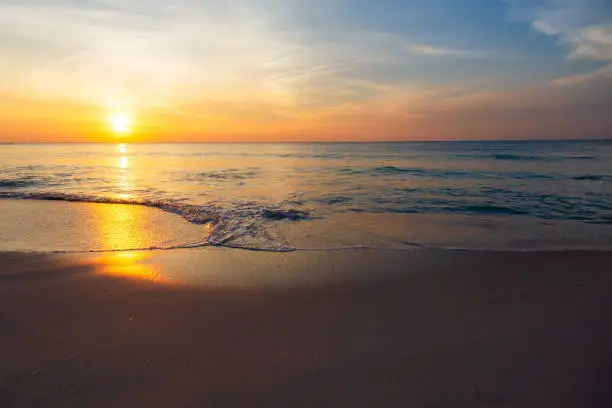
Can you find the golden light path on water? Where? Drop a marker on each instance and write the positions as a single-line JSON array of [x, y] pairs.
[[124, 173], [120, 227]]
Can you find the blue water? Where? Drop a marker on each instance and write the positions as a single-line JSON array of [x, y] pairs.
[[262, 183]]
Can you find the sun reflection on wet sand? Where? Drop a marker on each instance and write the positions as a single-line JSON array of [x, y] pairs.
[[126, 231], [131, 265], [121, 227]]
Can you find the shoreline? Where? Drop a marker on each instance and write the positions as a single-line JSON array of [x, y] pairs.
[[417, 328], [58, 226], [228, 267]]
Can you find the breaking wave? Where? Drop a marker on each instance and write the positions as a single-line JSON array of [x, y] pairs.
[[242, 225]]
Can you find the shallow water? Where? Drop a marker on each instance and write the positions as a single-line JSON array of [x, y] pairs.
[[518, 195]]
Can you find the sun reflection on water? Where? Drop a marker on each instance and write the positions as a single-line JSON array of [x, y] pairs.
[[124, 174], [121, 227], [124, 162], [126, 230]]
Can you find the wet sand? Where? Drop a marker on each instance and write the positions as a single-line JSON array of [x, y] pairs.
[[407, 328], [67, 226]]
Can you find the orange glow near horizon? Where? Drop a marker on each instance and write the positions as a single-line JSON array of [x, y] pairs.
[[81, 71]]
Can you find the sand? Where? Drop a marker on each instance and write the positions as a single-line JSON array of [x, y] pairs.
[[421, 329]]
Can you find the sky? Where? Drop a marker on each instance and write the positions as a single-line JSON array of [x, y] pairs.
[[304, 70]]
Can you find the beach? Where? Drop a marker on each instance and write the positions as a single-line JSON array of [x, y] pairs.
[[310, 275], [391, 275], [305, 204], [360, 328]]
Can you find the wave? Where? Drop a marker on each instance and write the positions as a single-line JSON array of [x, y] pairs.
[[422, 172], [448, 173], [520, 157], [403, 246], [334, 200], [242, 225], [590, 208], [489, 209], [17, 183], [246, 225], [227, 174], [516, 157], [414, 171], [590, 177]]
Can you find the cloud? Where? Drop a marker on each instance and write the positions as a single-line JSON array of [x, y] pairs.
[[168, 53], [584, 26], [120, 52], [437, 51], [604, 73], [572, 106], [210, 66], [575, 104]]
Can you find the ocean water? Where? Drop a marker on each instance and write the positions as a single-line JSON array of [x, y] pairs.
[[503, 195]]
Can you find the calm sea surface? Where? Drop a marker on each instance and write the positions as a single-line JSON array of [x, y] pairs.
[[502, 188]]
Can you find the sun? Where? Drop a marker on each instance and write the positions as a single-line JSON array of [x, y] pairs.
[[121, 123]]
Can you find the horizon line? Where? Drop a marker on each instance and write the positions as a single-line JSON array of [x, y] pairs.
[[603, 139]]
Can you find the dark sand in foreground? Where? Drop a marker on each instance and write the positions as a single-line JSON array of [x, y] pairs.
[[437, 329]]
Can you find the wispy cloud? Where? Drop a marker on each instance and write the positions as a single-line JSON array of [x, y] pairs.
[[604, 73], [293, 65], [584, 26], [109, 51], [438, 51]]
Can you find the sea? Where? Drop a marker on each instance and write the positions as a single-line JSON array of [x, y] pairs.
[[494, 195]]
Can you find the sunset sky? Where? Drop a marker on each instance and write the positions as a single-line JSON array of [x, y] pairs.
[[304, 70]]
